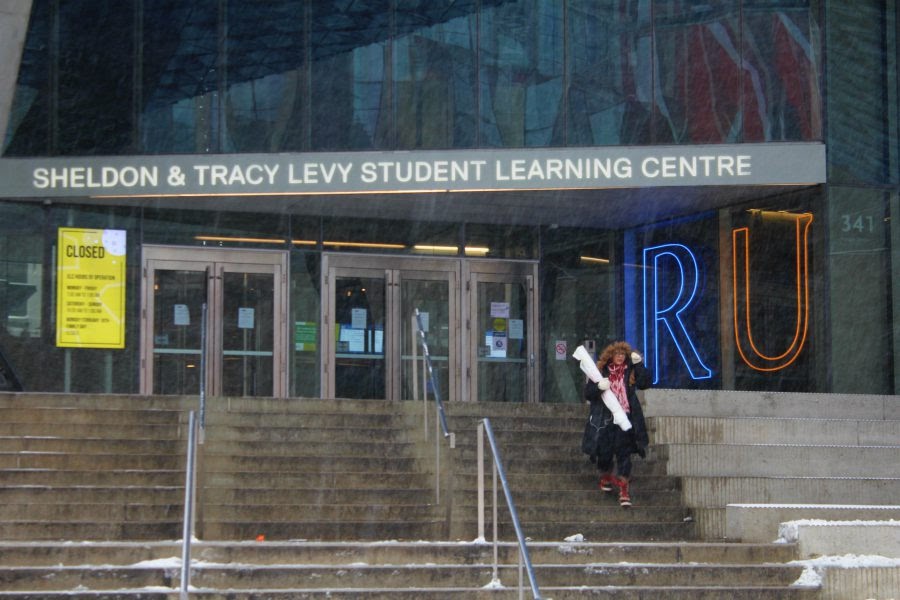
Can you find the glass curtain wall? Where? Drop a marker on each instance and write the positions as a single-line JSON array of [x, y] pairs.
[[213, 76]]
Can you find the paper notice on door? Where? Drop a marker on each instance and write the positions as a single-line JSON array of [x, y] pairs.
[[500, 309], [182, 315], [358, 318], [516, 329], [245, 318], [498, 347]]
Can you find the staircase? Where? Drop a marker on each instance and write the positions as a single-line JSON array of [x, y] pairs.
[[310, 498], [91, 467], [776, 449], [554, 485], [398, 570]]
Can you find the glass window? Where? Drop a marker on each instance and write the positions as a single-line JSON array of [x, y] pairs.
[[521, 74], [304, 334], [609, 72], [389, 236], [347, 100], [501, 241], [220, 229], [180, 76], [434, 75], [700, 77], [781, 51], [579, 294], [266, 83], [862, 115]]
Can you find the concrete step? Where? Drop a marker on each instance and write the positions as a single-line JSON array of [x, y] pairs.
[[400, 570], [326, 512], [86, 494], [314, 528], [90, 401], [774, 460], [729, 403], [760, 522], [558, 593], [265, 496], [748, 430], [291, 479], [91, 416], [312, 463], [91, 530], [390, 552], [69, 461], [84, 476], [337, 446], [94, 430], [235, 435], [96, 445], [722, 490], [584, 481], [311, 420], [63, 511]]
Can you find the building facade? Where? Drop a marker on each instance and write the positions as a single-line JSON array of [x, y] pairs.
[[293, 181]]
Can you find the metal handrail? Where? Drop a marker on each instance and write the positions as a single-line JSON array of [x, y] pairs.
[[190, 485], [441, 415], [203, 372], [435, 384], [484, 427]]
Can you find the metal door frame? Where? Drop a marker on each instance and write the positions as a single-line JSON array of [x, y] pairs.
[[216, 262], [464, 274], [499, 271], [393, 268]]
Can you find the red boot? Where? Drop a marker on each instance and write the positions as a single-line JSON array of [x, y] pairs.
[[624, 498], [606, 482]]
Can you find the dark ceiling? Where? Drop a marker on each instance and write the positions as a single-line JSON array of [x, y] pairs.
[[601, 208]]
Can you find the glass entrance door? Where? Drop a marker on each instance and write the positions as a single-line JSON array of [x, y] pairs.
[[371, 347], [479, 317], [244, 293], [502, 317]]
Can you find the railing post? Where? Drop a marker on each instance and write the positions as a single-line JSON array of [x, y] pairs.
[[479, 457], [190, 479], [520, 536], [202, 372]]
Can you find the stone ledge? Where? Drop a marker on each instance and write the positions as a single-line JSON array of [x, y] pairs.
[[760, 522], [816, 537]]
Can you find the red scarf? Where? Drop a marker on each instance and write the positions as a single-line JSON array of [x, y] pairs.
[[617, 384]]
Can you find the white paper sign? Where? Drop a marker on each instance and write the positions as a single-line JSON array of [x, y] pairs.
[[358, 318], [182, 314], [516, 329], [356, 339], [500, 309], [498, 347], [245, 318], [423, 318]]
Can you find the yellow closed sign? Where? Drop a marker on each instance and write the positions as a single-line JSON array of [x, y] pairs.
[[90, 289]]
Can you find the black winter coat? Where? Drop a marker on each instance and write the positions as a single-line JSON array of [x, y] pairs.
[[637, 437]]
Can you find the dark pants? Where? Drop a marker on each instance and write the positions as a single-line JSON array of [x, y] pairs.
[[615, 445]]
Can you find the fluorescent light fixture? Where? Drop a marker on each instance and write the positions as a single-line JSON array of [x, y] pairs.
[[594, 259], [222, 238], [436, 249], [364, 245], [476, 250]]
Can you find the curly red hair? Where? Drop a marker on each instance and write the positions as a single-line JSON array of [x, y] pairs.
[[612, 350]]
